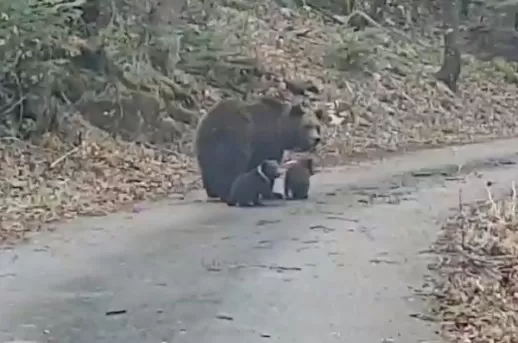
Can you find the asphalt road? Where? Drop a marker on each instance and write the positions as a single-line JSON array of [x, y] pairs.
[[339, 267]]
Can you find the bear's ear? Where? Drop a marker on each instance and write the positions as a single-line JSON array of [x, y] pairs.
[[297, 108], [286, 108], [297, 111], [320, 114]]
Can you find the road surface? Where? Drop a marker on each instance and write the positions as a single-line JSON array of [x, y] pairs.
[[339, 267]]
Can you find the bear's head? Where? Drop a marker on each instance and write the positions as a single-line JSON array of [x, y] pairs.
[[301, 129]]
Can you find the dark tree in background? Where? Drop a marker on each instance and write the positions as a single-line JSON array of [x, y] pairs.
[[464, 8], [451, 65]]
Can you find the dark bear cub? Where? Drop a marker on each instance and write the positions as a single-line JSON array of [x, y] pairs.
[[296, 180], [249, 187]]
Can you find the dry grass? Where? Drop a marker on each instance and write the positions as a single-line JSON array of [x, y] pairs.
[[476, 290]]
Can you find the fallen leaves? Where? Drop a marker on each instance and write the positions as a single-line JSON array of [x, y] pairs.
[[40, 185], [477, 276]]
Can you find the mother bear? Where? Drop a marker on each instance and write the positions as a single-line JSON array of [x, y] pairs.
[[234, 137]]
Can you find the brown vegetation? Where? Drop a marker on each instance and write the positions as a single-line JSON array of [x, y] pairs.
[[476, 289]]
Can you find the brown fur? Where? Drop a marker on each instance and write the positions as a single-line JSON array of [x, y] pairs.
[[296, 180], [235, 137], [248, 188]]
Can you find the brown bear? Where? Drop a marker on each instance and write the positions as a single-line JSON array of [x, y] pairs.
[[235, 137], [296, 179], [249, 187]]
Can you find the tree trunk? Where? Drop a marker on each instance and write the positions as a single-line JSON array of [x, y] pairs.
[[377, 9], [166, 12], [358, 22], [451, 66], [464, 8], [414, 12], [349, 6]]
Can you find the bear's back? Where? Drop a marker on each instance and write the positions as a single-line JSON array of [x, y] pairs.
[[228, 117], [267, 114], [228, 113]]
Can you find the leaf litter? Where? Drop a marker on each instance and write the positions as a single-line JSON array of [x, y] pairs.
[[392, 104], [100, 177]]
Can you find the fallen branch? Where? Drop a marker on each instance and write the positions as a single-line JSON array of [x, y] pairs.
[[63, 157]]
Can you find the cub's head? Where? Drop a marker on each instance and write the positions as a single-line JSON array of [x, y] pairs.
[[304, 162], [271, 169], [301, 129]]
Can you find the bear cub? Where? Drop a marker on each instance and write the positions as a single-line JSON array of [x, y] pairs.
[[296, 180], [249, 187]]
